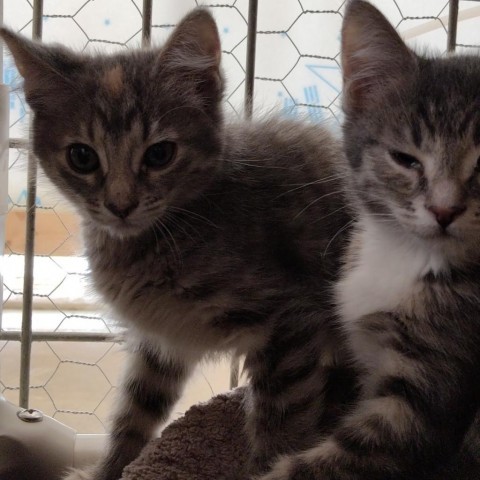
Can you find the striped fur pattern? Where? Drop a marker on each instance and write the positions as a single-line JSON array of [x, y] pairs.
[[409, 294], [223, 238]]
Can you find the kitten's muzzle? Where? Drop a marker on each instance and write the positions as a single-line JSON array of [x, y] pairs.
[[446, 215], [121, 211]]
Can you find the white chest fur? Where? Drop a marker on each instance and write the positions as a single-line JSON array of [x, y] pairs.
[[386, 271]]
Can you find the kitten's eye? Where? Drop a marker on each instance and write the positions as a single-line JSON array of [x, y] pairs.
[[159, 155], [406, 161], [82, 158]]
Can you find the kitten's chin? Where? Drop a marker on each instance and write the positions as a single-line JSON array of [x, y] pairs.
[[436, 237], [441, 236], [121, 230], [456, 245]]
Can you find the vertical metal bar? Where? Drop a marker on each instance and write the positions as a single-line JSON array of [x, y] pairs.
[[26, 341], [146, 22], [452, 25], [2, 239], [1, 49], [251, 49]]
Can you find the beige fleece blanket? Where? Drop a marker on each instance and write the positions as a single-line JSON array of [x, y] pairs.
[[207, 443]]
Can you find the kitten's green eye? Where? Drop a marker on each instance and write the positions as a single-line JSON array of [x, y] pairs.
[[82, 158], [406, 161], [159, 155]]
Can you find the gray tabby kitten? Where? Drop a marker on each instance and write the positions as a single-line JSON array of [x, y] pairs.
[[202, 236], [409, 294]]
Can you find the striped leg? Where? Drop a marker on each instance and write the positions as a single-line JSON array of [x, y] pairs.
[[372, 444], [152, 385], [299, 388], [418, 403]]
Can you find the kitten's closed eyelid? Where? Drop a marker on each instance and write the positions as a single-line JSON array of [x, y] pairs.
[[406, 160]]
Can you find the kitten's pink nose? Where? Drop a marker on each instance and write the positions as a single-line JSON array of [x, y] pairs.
[[121, 211], [446, 215]]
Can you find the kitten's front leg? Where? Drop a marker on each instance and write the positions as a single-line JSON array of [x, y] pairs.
[[301, 384], [410, 426], [152, 384]]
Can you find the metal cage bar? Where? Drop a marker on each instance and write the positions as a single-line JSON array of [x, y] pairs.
[[26, 334], [146, 22], [452, 25], [251, 51], [63, 336]]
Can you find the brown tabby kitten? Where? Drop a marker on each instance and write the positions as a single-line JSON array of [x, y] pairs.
[[202, 236], [409, 295]]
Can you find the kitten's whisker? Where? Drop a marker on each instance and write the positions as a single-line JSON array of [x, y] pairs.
[[151, 208], [177, 222], [157, 241], [176, 249], [315, 201], [180, 108], [331, 213], [172, 246], [193, 215], [315, 182], [249, 164], [389, 215], [340, 230]]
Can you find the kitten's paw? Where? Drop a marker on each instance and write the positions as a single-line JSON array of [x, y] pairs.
[[76, 474], [283, 469]]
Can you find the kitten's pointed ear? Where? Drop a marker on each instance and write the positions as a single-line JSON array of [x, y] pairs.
[[375, 59], [45, 69], [196, 39], [194, 48]]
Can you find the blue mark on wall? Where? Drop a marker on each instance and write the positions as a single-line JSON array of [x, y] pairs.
[[22, 199], [311, 95], [10, 78], [312, 101], [317, 71], [10, 73]]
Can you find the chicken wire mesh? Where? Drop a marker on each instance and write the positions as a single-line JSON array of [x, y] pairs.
[[297, 72]]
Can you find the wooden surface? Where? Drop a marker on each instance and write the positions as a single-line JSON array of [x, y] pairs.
[[56, 232]]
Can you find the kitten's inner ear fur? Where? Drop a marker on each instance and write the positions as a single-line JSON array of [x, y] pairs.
[[193, 53], [44, 69], [194, 43], [24, 53], [375, 60]]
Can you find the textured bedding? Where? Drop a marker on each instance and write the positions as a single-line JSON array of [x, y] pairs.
[[207, 443]]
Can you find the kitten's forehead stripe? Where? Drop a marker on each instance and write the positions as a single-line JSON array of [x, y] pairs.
[[424, 114], [114, 119], [130, 115], [469, 121], [113, 81], [91, 127], [102, 116], [416, 133]]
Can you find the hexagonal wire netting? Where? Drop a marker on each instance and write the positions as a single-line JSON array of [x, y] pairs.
[[297, 72]]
